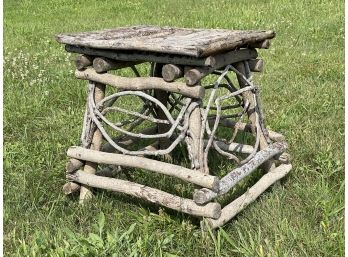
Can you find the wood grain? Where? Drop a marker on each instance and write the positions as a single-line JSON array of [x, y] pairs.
[[182, 41], [210, 210], [183, 173], [142, 83]]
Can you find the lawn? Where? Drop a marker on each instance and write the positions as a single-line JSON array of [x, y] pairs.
[[302, 95]]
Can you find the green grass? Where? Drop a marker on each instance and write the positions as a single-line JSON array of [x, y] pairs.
[[303, 98]]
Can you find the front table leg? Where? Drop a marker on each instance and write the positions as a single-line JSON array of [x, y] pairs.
[[91, 167], [194, 140], [248, 96]]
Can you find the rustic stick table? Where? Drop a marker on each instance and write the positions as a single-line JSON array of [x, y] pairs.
[[190, 98]]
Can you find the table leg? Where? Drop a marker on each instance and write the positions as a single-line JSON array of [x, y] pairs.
[[250, 97], [91, 167], [162, 96], [194, 141]]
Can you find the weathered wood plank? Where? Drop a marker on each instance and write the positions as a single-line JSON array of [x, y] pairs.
[[135, 56], [181, 41]]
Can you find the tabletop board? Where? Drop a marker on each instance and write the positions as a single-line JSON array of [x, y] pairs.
[[181, 41]]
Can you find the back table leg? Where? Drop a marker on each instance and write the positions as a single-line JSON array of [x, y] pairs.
[[91, 167], [162, 96]]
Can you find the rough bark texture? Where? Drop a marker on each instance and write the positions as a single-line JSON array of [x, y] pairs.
[[140, 83], [239, 204], [211, 210], [183, 173], [190, 42]]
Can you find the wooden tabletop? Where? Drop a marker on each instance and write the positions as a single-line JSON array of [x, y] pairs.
[[181, 41]]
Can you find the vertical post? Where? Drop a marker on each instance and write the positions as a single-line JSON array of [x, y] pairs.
[[196, 143], [249, 96], [162, 96], [91, 167]]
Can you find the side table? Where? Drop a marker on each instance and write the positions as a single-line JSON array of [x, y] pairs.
[[199, 94]]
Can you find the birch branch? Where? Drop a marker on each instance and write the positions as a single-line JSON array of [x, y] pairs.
[[211, 210], [183, 173], [140, 83], [205, 195], [239, 204]]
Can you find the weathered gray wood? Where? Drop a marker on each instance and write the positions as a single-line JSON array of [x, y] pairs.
[[171, 72], [183, 173], [140, 83], [181, 41], [243, 68], [194, 75], [211, 210], [248, 96], [136, 56], [256, 65], [82, 61], [239, 204], [73, 165], [91, 167], [162, 95], [70, 187], [102, 64], [231, 179], [194, 141]]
